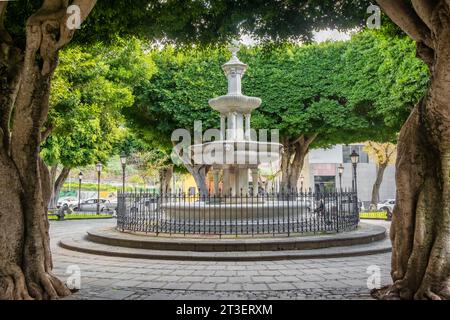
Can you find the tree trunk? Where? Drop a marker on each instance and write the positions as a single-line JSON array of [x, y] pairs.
[[58, 184], [292, 161], [165, 177], [25, 76], [53, 170], [420, 230], [199, 173], [376, 186]]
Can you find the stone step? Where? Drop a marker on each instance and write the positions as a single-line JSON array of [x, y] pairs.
[[81, 244], [364, 234]]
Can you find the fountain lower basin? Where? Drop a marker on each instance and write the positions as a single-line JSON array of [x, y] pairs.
[[238, 209]]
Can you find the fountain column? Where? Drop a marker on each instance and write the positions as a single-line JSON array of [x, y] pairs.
[[231, 132], [223, 127], [247, 127], [255, 178], [216, 182]]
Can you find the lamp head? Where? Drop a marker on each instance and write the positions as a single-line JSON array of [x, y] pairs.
[[123, 159], [354, 157]]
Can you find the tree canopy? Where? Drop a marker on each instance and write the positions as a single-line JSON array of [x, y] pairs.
[[345, 92], [90, 88], [203, 22]]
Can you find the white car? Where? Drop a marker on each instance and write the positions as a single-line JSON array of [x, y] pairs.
[[70, 201], [90, 205], [386, 205]]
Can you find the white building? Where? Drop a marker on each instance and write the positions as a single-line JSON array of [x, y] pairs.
[[320, 172]]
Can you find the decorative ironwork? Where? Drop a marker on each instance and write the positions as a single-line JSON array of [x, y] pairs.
[[268, 213]]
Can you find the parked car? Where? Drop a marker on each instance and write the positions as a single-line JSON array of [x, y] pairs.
[[91, 205], [69, 201], [387, 205]]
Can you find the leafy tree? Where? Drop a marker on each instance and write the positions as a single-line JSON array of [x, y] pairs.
[[316, 95], [90, 88], [383, 154], [419, 232]]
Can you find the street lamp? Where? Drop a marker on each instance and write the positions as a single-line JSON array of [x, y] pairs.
[[80, 177], [302, 179], [355, 159], [99, 167], [340, 171], [123, 161]]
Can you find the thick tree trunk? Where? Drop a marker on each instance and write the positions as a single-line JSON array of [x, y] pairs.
[[292, 161], [420, 230], [25, 75], [376, 186], [58, 184]]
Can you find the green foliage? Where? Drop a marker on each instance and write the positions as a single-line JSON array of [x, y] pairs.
[[187, 22], [75, 216], [89, 90], [93, 187], [343, 91]]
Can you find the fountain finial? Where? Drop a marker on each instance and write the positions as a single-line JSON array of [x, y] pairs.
[[234, 65], [234, 47]]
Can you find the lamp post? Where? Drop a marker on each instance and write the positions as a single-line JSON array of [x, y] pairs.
[[80, 177], [355, 159], [340, 171], [302, 179], [123, 161], [99, 170]]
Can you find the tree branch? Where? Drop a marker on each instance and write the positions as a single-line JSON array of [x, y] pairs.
[[407, 19], [424, 9], [311, 139], [47, 132], [300, 139], [4, 35]]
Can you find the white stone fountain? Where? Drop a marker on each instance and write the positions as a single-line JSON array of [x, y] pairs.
[[236, 152]]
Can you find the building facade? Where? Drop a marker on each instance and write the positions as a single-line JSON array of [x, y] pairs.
[[321, 172]]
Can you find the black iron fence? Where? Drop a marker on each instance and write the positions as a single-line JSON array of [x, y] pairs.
[[271, 213]]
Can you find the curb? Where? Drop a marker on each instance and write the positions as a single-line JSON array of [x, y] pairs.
[[364, 235], [97, 249]]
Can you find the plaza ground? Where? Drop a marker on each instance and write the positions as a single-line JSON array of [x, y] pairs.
[[105, 277]]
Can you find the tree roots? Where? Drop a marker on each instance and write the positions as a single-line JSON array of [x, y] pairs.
[[14, 285]]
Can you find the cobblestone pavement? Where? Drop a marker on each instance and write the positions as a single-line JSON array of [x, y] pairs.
[[123, 278]]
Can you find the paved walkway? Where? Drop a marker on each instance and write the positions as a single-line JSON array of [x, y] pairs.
[[122, 278]]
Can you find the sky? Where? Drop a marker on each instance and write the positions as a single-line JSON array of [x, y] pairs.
[[335, 35], [319, 36]]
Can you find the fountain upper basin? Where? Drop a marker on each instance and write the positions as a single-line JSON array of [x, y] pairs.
[[235, 103]]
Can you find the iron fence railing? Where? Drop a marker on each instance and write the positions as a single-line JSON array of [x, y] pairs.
[[271, 213]]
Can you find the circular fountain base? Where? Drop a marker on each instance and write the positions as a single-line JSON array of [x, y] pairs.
[[367, 239]]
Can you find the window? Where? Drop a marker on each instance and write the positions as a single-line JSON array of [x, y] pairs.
[[324, 183], [347, 151]]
